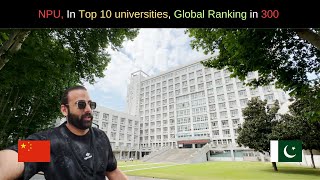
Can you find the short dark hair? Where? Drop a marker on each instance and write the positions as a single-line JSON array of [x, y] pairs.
[[64, 99]]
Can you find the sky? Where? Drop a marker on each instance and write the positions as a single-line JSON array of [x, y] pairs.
[[152, 51]]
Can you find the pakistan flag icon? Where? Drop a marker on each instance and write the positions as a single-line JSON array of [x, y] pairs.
[[286, 150]]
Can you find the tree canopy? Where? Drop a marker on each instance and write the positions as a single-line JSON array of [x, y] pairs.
[[50, 60], [256, 130], [283, 56], [296, 125]]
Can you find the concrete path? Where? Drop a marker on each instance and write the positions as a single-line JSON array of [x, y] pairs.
[[41, 177]]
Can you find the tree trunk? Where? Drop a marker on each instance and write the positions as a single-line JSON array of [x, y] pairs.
[[309, 36], [274, 165], [12, 45], [312, 160]]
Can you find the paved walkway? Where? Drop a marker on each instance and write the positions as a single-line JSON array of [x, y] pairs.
[[143, 178], [41, 177]]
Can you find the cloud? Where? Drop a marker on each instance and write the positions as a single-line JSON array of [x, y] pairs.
[[152, 51]]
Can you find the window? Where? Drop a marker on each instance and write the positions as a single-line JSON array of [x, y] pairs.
[[177, 86], [234, 113], [184, 77], [227, 79], [221, 98], [225, 123], [232, 104], [211, 100], [213, 115], [200, 86], [243, 102], [231, 95], [220, 90], [191, 81], [230, 87], [184, 84], [235, 122], [240, 85], [242, 93], [217, 74], [226, 132], [214, 123], [222, 105], [105, 116], [215, 132], [223, 114], [199, 72], [208, 77], [192, 88], [209, 84], [200, 79], [210, 91], [218, 82]]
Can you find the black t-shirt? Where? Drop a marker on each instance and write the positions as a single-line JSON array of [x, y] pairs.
[[73, 157]]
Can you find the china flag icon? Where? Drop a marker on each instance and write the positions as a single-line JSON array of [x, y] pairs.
[[34, 151]]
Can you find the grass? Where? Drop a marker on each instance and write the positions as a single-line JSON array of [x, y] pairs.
[[221, 170]]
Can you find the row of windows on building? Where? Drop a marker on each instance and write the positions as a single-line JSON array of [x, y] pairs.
[[156, 88], [188, 72], [123, 145], [183, 108], [115, 119], [114, 136], [121, 128], [184, 86], [185, 124], [158, 102], [216, 134], [195, 111], [158, 137]]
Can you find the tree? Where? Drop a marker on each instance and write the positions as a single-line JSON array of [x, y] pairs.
[[299, 124], [49, 61], [299, 128], [11, 44], [308, 106], [285, 56], [256, 129]]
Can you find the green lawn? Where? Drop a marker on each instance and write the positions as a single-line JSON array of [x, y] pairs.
[[220, 170]]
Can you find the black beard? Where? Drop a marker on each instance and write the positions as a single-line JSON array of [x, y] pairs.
[[79, 123]]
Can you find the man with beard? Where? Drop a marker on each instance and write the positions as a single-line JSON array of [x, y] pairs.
[[77, 150]]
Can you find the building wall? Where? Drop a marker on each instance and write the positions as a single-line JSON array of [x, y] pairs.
[[133, 92], [121, 128], [192, 102]]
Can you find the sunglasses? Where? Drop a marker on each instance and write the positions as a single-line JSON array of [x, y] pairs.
[[82, 104]]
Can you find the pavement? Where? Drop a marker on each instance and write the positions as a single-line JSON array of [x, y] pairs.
[[41, 177], [143, 178]]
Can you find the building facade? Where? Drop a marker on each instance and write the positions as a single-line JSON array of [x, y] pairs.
[[191, 105], [122, 130]]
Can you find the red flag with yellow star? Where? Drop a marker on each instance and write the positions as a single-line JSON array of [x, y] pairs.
[[34, 151]]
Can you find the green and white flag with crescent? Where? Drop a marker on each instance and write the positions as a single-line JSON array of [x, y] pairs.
[[286, 151]]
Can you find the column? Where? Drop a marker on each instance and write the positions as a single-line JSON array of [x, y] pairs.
[[232, 154]]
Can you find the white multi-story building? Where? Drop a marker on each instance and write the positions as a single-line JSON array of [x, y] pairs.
[[122, 130], [185, 107], [191, 105]]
